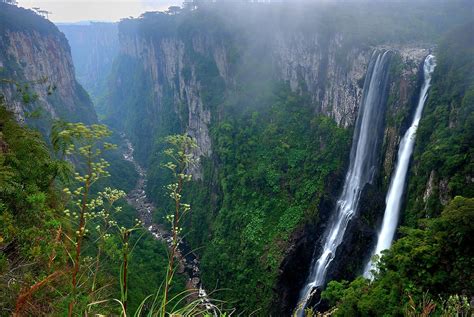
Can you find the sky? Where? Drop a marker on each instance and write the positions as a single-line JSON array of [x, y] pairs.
[[96, 10]]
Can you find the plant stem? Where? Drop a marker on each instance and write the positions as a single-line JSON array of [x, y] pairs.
[[82, 222], [97, 262], [24, 296], [175, 227], [125, 267]]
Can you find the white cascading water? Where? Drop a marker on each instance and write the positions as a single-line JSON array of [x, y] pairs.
[[395, 192], [367, 135]]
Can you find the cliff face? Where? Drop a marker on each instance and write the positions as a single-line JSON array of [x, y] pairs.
[[38, 55], [315, 65], [308, 66], [94, 47], [324, 69], [165, 62]]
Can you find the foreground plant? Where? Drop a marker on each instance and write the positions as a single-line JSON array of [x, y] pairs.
[[84, 145], [186, 303], [182, 159]]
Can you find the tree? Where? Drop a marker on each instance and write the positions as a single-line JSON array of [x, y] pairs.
[[422, 271], [174, 10], [43, 13]]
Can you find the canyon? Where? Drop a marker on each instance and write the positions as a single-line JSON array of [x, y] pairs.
[[298, 114]]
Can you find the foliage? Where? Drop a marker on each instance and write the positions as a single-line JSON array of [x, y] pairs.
[[443, 158], [271, 153], [181, 161], [37, 230], [28, 209], [85, 144], [425, 266], [272, 157]]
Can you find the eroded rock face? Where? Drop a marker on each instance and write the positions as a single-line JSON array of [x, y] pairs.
[[165, 61], [310, 65], [42, 60], [94, 47], [329, 72], [325, 68]]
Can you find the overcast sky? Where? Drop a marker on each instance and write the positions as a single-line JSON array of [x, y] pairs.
[[97, 10]]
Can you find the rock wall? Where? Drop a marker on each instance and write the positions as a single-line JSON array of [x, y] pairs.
[[40, 59], [94, 47], [316, 65], [326, 69], [332, 80], [164, 61]]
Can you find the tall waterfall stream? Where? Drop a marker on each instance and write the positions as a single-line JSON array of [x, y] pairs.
[[364, 152], [394, 197]]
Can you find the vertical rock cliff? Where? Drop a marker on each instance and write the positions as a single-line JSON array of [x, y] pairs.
[[34, 53], [94, 47], [180, 65]]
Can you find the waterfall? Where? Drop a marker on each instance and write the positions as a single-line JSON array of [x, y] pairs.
[[395, 192], [364, 153]]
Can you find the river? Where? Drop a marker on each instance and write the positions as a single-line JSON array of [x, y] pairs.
[[187, 259]]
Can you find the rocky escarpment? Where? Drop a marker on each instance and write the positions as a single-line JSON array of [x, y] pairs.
[[173, 65], [321, 66], [35, 54], [314, 64], [165, 61]]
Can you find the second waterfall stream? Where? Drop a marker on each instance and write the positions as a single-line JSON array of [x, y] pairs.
[[366, 140], [394, 197]]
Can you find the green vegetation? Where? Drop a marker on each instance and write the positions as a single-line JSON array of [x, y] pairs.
[[444, 158], [272, 157], [280, 151], [420, 273], [274, 160], [27, 200], [181, 160], [39, 259], [283, 153], [428, 271]]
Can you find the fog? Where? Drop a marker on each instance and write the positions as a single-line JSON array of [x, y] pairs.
[[71, 11]]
